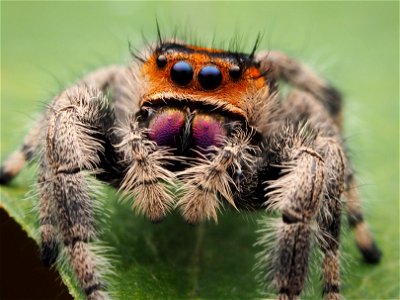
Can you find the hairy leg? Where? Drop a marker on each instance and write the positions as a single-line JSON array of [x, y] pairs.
[[75, 122], [364, 239], [16, 161], [278, 65], [302, 107], [208, 178], [47, 216], [146, 178], [330, 214], [101, 79], [296, 195]]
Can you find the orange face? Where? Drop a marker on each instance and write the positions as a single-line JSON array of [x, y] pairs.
[[177, 72]]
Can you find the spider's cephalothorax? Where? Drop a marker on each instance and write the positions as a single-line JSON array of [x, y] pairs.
[[213, 124], [195, 97]]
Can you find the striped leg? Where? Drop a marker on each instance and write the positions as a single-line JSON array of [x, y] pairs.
[[47, 217], [146, 178], [278, 66], [330, 215], [70, 148], [297, 195], [102, 78], [209, 179], [364, 239], [16, 161]]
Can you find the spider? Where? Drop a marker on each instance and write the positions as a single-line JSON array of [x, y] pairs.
[[213, 126]]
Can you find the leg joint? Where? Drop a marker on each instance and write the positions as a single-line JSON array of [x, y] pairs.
[[355, 218], [68, 171], [73, 241], [290, 219], [91, 289], [330, 288], [291, 216]]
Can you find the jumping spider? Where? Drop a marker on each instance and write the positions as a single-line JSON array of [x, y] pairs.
[[212, 124]]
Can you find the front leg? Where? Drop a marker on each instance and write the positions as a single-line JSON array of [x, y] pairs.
[[297, 196], [76, 121], [209, 179], [146, 177], [112, 77]]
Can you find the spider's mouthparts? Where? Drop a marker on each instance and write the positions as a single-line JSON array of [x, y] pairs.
[[166, 126], [170, 126]]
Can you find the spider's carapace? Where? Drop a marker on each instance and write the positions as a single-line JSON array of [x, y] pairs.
[[194, 80]]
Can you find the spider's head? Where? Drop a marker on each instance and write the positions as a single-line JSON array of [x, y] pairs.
[[202, 76], [198, 95]]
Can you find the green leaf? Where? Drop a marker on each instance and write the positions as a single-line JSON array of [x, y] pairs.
[[167, 260]]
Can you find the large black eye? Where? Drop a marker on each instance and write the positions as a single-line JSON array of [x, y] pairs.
[[210, 77], [182, 73]]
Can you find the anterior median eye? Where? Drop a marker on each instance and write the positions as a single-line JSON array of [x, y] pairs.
[[182, 73], [210, 77]]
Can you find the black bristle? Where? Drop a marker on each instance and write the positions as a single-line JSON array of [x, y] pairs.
[[144, 38], [160, 40], [255, 47], [134, 54], [174, 33]]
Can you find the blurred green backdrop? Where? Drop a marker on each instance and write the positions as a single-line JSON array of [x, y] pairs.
[[47, 45]]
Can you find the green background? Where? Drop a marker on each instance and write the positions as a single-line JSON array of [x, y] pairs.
[[47, 45]]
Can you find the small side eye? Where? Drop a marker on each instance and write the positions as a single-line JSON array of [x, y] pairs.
[[235, 72], [161, 61], [182, 73], [145, 113]]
